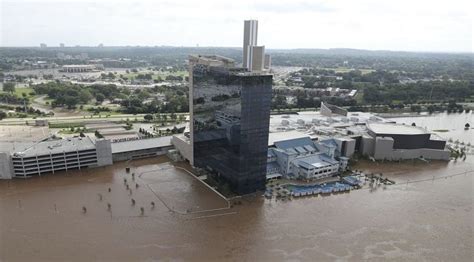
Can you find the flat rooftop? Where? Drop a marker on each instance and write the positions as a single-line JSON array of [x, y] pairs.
[[282, 136], [395, 129], [20, 134], [141, 144], [316, 161], [54, 146]]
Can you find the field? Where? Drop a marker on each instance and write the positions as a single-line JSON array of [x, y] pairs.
[[156, 74], [20, 90]]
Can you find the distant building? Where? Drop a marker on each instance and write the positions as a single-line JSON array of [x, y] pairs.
[[254, 58], [329, 110], [250, 39], [79, 68], [257, 58], [61, 45], [43, 45], [268, 61]]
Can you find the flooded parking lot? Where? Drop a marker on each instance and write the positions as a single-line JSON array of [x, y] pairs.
[[426, 216], [43, 218]]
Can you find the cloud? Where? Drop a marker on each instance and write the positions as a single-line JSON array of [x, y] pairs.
[[299, 7], [420, 25]]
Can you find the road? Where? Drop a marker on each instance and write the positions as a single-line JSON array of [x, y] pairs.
[[71, 119]]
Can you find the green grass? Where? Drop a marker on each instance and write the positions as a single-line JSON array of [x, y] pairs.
[[156, 74], [19, 91], [359, 97]]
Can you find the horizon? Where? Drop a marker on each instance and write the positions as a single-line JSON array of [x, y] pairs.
[[52, 47], [401, 26]]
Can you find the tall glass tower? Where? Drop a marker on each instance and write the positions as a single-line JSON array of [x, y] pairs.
[[230, 115]]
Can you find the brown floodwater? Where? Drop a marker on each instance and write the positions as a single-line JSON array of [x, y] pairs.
[[448, 126], [427, 215]]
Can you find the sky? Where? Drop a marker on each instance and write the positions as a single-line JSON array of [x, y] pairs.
[[400, 25]]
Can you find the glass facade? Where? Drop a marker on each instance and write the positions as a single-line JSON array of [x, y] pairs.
[[231, 114]]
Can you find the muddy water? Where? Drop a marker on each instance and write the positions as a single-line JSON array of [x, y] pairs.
[[426, 216], [451, 125]]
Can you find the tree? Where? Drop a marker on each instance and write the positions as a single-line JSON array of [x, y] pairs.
[[98, 135], [173, 116], [2, 115], [71, 101], [148, 117], [100, 98], [85, 96], [9, 87]]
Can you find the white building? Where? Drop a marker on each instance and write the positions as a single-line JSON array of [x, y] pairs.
[[78, 68], [254, 58]]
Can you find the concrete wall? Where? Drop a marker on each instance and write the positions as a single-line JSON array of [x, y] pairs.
[[184, 147], [349, 147], [6, 170], [257, 54], [104, 152], [367, 146], [436, 144], [149, 152], [383, 148], [268, 61], [427, 153], [324, 110]]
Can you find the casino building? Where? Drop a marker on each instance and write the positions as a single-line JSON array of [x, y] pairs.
[[230, 114], [389, 141]]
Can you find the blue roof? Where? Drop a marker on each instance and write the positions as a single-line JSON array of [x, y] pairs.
[[300, 149], [329, 142], [297, 142]]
